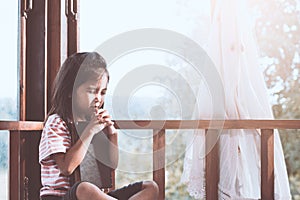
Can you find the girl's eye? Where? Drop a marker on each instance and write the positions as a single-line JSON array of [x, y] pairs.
[[92, 91]]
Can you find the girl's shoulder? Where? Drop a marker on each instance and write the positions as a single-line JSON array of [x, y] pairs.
[[56, 121], [54, 118]]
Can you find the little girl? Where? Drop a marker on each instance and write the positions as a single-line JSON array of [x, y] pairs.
[[78, 95]]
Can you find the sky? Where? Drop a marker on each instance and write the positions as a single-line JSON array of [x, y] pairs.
[[101, 20], [8, 49]]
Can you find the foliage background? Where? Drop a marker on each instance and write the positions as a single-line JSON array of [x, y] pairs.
[[278, 35]]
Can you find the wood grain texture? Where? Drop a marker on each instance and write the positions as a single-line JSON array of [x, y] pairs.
[[267, 164], [72, 27], [172, 124], [22, 69], [159, 142], [14, 166], [208, 124], [212, 164], [21, 126], [53, 46]]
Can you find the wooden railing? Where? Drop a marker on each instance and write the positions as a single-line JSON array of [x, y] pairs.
[[159, 129]]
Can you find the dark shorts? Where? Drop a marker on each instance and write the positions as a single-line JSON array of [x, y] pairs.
[[123, 193]]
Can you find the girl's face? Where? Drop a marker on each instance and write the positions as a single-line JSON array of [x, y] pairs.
[[87, 95]]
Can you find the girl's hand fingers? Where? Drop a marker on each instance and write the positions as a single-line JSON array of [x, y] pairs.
[[100, 120], [106, 120], [110, 123], [95, 126], [103, 115], [99, 111]]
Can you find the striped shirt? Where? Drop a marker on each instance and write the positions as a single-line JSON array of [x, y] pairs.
[[56, 138]]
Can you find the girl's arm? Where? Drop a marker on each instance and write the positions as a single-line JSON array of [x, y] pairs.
[[69, 161], [112, 135]]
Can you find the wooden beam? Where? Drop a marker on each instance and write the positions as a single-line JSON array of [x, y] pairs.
[[170, 124], [267, 164], [159, 142], [21, 125]]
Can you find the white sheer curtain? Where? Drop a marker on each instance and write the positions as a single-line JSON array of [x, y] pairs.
[[233, 49]]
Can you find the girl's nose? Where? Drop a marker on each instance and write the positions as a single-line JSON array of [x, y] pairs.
[[97, 99], [97, 102], [98, 96]]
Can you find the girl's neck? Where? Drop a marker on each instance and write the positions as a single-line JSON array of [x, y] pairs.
[[79, 118]]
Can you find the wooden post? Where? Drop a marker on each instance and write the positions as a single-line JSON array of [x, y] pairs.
[[36, 44], [71, 8], [267, 164], [53, 47], [159, 143], [22, 62], [211, 164]]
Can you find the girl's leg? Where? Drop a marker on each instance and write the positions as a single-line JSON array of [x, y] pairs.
[[149, 191], [86, 190]]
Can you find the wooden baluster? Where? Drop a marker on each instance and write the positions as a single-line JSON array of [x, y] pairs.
[[211, 164], [15, 191], [267, 164], [113, 179], [159, 161], [22, 160], [26, 184]]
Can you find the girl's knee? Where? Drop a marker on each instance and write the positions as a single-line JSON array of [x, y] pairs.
[[86, 190], [151, 186]]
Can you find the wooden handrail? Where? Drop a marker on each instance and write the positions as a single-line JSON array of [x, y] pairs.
[[172, 124], [208, 124], [212, 159], [21, 125]]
